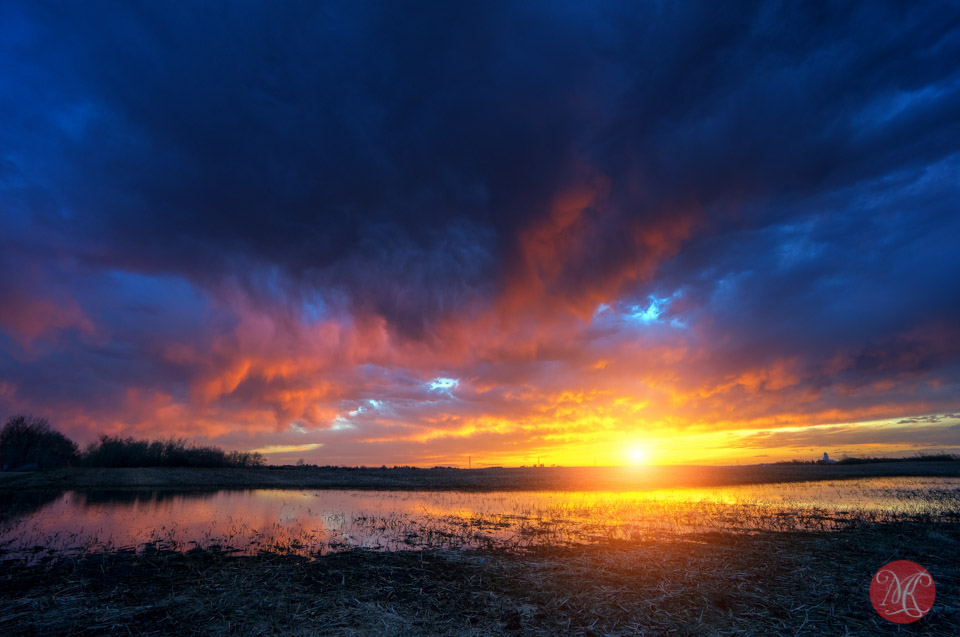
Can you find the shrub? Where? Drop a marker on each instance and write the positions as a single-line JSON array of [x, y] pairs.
[[117, 451], [25, 440]]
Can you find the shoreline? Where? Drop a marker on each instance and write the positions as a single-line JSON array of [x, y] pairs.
[[450, 479]]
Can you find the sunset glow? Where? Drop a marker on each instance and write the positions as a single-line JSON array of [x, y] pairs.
[[503, 237], [638, 454]]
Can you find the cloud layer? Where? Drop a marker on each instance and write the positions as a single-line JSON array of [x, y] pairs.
[[278, 227]]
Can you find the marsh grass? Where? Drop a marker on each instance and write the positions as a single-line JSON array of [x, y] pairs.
[[700, 583]]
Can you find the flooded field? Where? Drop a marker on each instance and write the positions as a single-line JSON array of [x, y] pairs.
[[310, 522]]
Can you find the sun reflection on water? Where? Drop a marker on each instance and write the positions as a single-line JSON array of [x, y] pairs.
[[315, 521]]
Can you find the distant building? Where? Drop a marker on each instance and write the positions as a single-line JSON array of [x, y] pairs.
[[827, 460]]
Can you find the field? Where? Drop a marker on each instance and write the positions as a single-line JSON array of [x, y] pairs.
[[568, 564], [494, 479]]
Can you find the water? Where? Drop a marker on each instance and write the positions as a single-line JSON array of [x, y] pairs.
[[318, 521]]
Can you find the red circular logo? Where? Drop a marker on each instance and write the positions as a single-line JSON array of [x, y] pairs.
[[902, 592]]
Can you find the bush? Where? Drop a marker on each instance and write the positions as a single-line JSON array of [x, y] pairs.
[[117, 451], [26, 440]]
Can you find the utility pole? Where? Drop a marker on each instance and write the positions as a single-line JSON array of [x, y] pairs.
[[469, 462]]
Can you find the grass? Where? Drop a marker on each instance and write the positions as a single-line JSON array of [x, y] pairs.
[[717, 583], [498, 479]]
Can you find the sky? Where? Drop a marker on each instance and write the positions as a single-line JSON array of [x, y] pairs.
[[438, 233]]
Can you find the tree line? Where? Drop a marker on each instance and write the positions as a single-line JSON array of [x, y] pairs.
[[27, 442], [919, 457]]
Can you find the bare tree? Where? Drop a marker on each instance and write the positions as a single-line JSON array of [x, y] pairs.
[[26, 440]]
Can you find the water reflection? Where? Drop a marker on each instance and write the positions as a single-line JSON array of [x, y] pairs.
[[139, 496], [314, 521], [14, 504]]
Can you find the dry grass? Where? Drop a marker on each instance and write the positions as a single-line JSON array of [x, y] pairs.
[[766, 583], [440, 479]]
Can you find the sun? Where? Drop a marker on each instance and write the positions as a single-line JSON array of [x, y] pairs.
[[638, 454]]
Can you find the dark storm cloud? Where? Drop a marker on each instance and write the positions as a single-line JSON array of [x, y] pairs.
[[205, 139]]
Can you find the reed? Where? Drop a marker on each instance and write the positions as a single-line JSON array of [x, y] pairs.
[[703, 583]]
